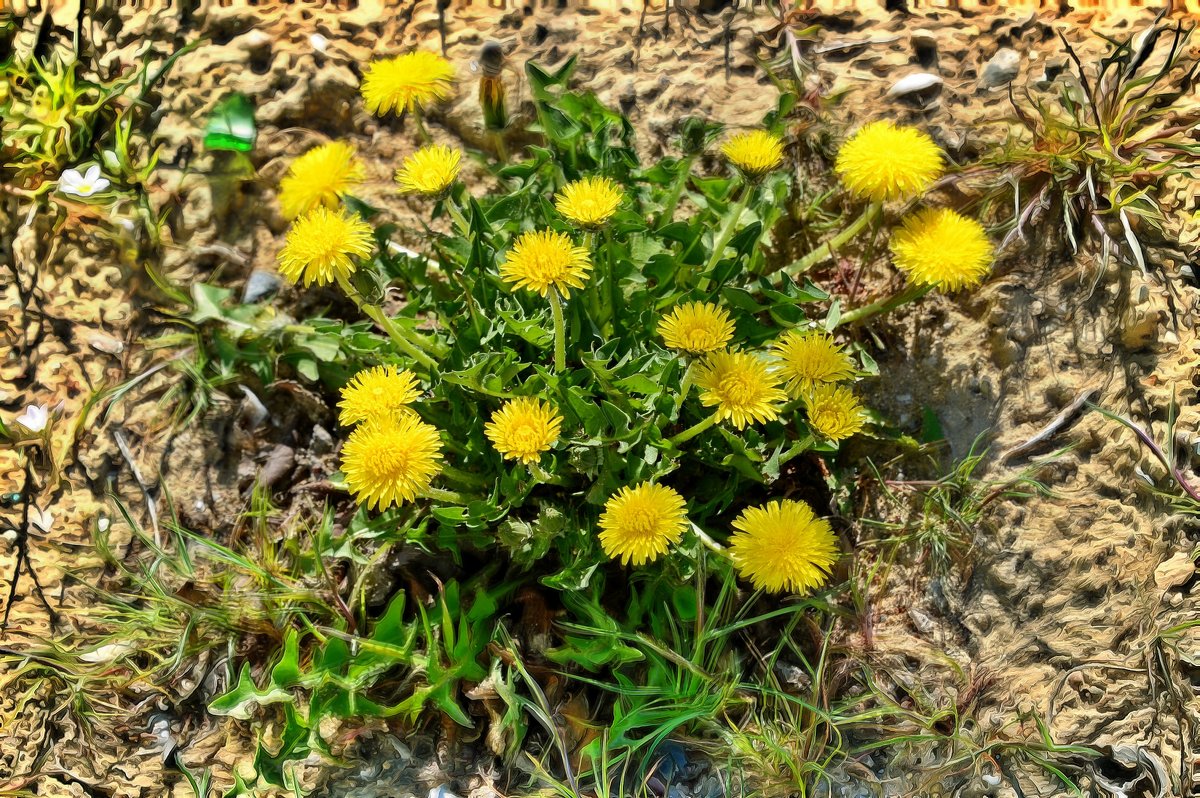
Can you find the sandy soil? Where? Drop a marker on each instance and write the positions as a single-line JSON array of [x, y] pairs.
[[1059, 614]]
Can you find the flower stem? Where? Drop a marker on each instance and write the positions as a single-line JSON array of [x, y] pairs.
[[694, 430], [591, 292], [723, 237], [613, 298], [560, 333], [668, 212], [911, 293], [800, 447], [828, 249], [465, 477], [711, 544], [425, 137], [685, 387], [459, 218], [393, 332], [437, 494]]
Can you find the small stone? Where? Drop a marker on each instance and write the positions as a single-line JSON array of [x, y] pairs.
[[261, 283], [1174, 572], [1002, 69], [252, 42], [106, 344], [919, 83], [322, 441], [279, 464]]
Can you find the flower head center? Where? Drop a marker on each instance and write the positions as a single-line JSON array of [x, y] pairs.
[[641, 521], [738, 389], [389, 461]]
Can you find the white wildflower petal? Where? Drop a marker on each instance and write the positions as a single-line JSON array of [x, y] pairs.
[[35, 418], [42, 519]]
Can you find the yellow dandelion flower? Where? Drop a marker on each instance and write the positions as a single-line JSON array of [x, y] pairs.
[[380, 392], [406, 82], [742, 386], [782, 545], [589, 202], [940, 248], [391, 460], [321, 246], [523, 429], [885, 162], [640, 524], [321, 176], [430, 170], [811, 358], [754, 153], [543, 260], [696, 327], [834, 412]]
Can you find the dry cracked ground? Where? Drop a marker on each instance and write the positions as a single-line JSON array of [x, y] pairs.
[[1061, 609]]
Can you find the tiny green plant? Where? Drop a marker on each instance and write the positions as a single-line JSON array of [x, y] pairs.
[[943, 514]]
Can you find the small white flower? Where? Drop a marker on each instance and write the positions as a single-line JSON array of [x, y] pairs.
[[85, 185], [35, 418], [107, 654], [42, 519], [318, 42]]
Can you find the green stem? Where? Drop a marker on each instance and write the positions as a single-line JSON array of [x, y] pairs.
[[457, 214], [668, 212], [425, 137], [723, 237], [393, 332], [500, 146], [694, 430], [465, 477], [801, 446], [560, 333], [613, 298], [711, 544], [685, 387], [911, 293], [592, 291], [437, 494], [829, 248]]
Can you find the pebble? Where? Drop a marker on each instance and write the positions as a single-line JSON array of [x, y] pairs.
[[278, 465], [916, 83], [1002, 69], [106, 344], [260, 284], [322, 441]]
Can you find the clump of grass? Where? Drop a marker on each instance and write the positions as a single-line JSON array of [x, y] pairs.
[[1096, 157]]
